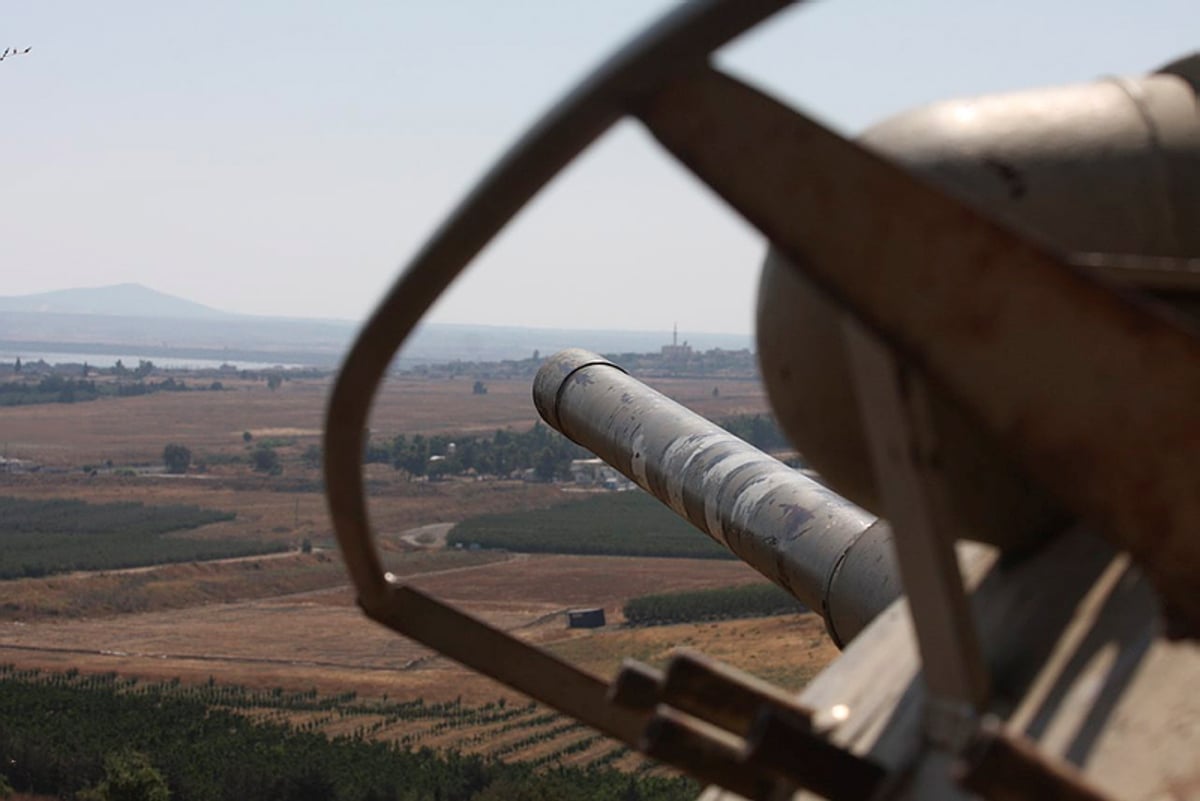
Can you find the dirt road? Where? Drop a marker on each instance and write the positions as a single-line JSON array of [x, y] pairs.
[[431, 537]]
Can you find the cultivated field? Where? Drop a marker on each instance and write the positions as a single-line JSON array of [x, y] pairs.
[[289, 620], [135, 429], [319, 639]]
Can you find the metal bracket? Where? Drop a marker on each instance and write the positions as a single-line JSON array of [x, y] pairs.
[[737, 731], [895, 413]]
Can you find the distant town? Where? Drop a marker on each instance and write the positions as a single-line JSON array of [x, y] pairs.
[[72, 378]]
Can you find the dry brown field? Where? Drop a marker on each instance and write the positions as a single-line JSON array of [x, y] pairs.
[[290, 621], [319, 639], [135, 430], [266, 512]]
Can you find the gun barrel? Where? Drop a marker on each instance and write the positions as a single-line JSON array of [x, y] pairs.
[[828, 553]]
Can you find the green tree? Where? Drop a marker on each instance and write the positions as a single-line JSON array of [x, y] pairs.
[[414, 457], [312, 456], [274, 380], [480, 388], [247, 436], [266, 460], [376, 453], [176, 457], [547, 465], [128, 776]]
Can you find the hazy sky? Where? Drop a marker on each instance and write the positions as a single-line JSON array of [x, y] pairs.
[[286, 157]]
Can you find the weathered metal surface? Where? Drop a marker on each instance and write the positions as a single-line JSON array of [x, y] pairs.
[[1076, 382], [702, 687], [1154, 273], [788, 746], [1078, 665], [636, 686], [721, 694], [1108, 172], [825, 551], [806, 368], [999, 767], [895, 408], [705, 752], [1111, 166]]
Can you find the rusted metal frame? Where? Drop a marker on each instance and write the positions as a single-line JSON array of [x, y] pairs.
[[721, 694], [895, 413], [684, 735], [1141, 272], [704, 688], [999, 766], [787, 745], [1077, 382], [635, 686], [708, 753], [681, 41], [737, 731]]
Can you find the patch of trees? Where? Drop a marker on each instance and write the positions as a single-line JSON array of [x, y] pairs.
[[145, 367], [50, 389], [724, 603], [57, 388], [67, 735], [129, 389], [128, 776], [265, 459], [312, 456], [40, 537], [613, 524], [732, 364], [541, 449], [176, 458]]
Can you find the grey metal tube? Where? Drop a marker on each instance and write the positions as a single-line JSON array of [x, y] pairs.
[[824, 550]]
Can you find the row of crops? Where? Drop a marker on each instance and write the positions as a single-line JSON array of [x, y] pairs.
[[609, 524], [40, 537], [497, 731]]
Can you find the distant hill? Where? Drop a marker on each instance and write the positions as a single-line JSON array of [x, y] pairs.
[[119, 300], [133, 320]]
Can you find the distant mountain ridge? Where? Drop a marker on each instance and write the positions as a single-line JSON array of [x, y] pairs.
[[119, 300], [135, 320]]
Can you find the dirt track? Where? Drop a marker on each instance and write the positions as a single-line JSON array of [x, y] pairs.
[[432, 536]]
